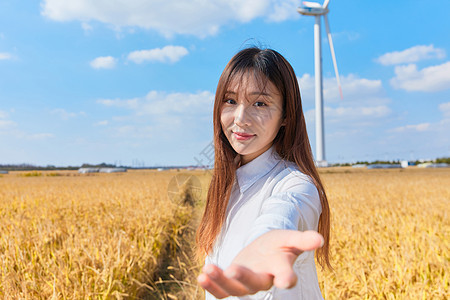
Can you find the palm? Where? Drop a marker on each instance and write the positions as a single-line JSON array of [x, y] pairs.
[[265, 262]]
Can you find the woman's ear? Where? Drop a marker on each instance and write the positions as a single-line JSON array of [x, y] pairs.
[[284, 122]]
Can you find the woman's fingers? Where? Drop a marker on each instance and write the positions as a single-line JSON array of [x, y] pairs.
[[252, 281], [229, 285], [209, 285]]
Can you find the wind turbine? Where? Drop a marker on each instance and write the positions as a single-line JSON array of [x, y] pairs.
[[317, 10]]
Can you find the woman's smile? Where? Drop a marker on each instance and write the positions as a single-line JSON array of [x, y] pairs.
[[241, 136]]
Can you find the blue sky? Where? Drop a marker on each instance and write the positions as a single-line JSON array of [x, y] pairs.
[[132, 81]]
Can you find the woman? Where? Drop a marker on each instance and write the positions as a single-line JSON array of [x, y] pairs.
[[266, 201]]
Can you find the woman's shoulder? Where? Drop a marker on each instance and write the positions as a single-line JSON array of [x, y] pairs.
[[290, 178]]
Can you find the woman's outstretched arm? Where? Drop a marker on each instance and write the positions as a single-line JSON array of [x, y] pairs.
[[266, 261]]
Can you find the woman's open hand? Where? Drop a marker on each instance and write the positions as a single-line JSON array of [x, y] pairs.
[[266, 261]]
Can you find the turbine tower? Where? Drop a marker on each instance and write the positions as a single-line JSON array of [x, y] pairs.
[[317, 10]]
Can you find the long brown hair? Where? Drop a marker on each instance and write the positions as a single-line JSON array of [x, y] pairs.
[[291, 143]]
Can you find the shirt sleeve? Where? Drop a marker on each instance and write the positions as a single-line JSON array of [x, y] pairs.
[[294, 205]]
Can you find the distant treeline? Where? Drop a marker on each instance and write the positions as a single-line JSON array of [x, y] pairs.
[[29, 167], [390, 162]]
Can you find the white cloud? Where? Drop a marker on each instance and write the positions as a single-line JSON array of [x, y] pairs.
[[434, 137], [162, 103], [358, 90], [170, 17], [363, 108], [283, 10], [445, 108], [169, 54], [430, 79], [411, 55], [10, 128], [168, 116], [3, 115], [86, 26], [103, 62], [358, 112], [5, 124], [350, 115], [39, 136], [102, 123], [5, 56], [414, 128], [65, 115], [349, 118]]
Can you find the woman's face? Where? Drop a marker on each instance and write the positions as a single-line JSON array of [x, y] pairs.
[[251, 115]]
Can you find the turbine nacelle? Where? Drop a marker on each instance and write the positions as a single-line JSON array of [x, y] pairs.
[[313, 8]]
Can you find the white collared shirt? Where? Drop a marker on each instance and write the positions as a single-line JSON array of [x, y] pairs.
[[270, 193]]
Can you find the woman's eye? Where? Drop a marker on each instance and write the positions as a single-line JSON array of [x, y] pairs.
[[230, 101], [259, 103]]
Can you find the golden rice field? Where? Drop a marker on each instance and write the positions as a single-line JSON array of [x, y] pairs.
[[65, 235], [90, 236], [391, 234]]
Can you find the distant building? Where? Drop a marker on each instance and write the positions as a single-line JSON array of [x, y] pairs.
[[112, 170], [432, 165], [384, 166], [424, 165], [359, 166], [406, 163], [101, 170], [88, 170]]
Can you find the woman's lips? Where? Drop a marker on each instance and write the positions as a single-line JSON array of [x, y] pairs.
[[240, 136]]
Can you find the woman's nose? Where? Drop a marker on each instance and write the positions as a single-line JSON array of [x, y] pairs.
[[242, 116]]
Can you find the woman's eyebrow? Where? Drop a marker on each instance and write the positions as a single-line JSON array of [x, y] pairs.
[[254, 93], [259, 93]]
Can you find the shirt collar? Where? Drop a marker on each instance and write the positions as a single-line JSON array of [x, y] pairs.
[[249, 173]]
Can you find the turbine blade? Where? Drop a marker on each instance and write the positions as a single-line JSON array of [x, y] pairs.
[[325, 4], [330, 42]]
